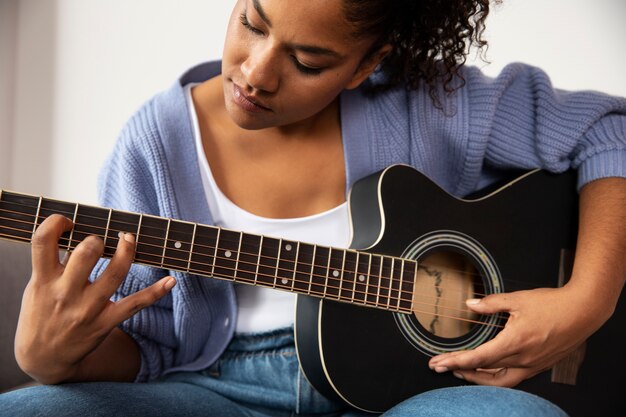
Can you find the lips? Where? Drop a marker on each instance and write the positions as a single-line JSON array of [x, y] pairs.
[[247, 102]]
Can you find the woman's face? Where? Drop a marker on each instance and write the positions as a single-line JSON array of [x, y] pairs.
[[285, 61]]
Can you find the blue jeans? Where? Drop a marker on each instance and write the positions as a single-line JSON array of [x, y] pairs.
[[257, 376]]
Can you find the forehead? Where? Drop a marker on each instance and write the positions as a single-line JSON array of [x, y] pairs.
[[305, 21]]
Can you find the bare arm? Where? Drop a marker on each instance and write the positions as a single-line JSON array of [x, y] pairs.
[[546, 324], [67, 330]]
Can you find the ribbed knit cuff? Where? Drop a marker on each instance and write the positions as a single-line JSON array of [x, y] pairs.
[[602, 165]]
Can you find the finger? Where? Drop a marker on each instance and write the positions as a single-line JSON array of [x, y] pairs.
[[494, 303], [116, 270], [131, 305], [493, 354], [83, 260], [503, 377], [45, 243]]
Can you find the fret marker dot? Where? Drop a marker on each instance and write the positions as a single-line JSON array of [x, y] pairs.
[[178, 245], [361, 278], [228, 254], [287, 247], [284, 281], [335, 273]]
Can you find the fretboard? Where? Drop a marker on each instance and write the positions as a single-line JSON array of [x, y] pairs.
[[356, 277]]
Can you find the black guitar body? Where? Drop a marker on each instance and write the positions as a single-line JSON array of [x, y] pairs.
[[520, 236]]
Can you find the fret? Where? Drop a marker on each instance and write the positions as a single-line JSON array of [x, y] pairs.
[[280, 249], [268, 262], [374, 279], [360, 283], [385, 281], [319, 276], [226, 254], [258, 262], [356, 267], [37, 216], [120, 223], [49, 207], [204, 250], [327, 274], [348, 276], [406, 299], [312, 269], [286, 264], [151, 240], [90, 221], [249, 258], [219, 232], [341, 273], [106, 228], [167, 232], [334, 273], [18, 212], [302, 280], [396, 284], [178, 245], [138, 227], [238, 255], [71, 238], [295, 267], [193, 241]]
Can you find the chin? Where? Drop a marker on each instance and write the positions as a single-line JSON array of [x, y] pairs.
[[246, 121]]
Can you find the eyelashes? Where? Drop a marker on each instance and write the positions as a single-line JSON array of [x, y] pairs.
[[304, 69]]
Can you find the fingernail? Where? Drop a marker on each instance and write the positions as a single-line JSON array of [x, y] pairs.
[[169, 284], [441, 369], [472, 301], [458, 375], [129, 237]]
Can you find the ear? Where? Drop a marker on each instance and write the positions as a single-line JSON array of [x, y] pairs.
[[367, 67]]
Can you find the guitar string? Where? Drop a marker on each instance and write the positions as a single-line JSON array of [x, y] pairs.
[[401, 292], [385, 306], [475, 276], [71, 214], [343, 269], [366, 294], [390, 291]]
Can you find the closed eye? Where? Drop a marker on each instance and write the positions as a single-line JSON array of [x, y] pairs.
[[305, 69], [246, 23]]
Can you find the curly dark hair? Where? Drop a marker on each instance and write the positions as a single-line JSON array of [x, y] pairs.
[[430, 38]]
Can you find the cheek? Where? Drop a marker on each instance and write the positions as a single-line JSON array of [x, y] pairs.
[[307, 97]]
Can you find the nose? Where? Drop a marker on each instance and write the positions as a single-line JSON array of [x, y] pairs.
[[259, 70]]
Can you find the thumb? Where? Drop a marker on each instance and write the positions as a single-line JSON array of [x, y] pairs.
[[490, 304]]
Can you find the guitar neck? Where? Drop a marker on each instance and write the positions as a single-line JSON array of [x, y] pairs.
[[351, 276]]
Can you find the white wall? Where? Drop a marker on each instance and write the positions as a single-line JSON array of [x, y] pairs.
[[81, 67], [8, 41]]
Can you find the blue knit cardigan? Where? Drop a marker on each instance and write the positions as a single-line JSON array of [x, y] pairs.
[[517, 120]]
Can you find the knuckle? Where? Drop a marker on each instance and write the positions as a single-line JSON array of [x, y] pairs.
[[114, 274], [91, 247]]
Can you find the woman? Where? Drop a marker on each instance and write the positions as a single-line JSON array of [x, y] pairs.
[[309, 97]]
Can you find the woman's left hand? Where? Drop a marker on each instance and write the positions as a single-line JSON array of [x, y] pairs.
[[544, 326]]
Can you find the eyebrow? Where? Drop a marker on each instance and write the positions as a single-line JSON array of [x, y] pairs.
[[261, 12], [316, 50]]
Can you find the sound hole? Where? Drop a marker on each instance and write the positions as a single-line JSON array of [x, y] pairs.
[[445, 279]]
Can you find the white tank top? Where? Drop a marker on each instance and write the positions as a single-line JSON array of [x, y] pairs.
[[263, 309]]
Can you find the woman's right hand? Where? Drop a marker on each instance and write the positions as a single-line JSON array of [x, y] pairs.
[[64, 317]]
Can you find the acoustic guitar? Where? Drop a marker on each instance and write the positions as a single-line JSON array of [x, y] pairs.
[[369, 317]]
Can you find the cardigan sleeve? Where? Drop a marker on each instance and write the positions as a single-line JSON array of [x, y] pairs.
[[527, 123], [126, 183]]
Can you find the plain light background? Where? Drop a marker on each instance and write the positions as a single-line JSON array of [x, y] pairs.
[[73, 71]]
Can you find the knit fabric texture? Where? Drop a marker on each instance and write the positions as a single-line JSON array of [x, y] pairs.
[[514, 121]]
